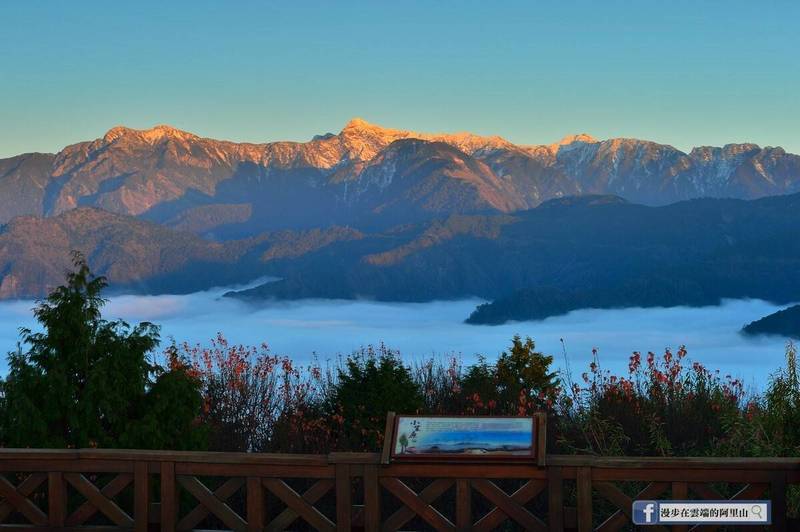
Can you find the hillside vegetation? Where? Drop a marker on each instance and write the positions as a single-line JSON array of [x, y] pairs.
[[784, 323]]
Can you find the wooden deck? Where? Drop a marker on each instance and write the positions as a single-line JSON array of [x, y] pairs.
[[155, 490]]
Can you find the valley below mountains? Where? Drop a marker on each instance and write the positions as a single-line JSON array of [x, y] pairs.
[[395, 215]]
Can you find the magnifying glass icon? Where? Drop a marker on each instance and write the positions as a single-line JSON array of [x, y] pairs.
[[756, 511]]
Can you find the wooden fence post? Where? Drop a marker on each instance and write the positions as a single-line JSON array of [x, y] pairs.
[[372, 498], [169, 497], [255, 504], [777, 493], [463, 505], [555, 498], [141, 496], [56, 499], [584, 509], [344, 502]]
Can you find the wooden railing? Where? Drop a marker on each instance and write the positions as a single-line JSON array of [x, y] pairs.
[[152, 490]]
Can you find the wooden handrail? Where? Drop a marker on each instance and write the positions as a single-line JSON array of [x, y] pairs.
[[564, 460], [162, 456], [672, 462]]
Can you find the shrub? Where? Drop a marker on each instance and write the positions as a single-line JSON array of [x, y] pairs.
[[780, 412], [661, 408], [769, 425], [170, 410], [246, 392], [441, 385], [370, 384], [519, 383]]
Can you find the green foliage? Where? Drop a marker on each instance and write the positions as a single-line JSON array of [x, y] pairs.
[[779, 413], [520, 382], [525, 372], [368, 386], [86, 382], [169, 414], [480, 382]]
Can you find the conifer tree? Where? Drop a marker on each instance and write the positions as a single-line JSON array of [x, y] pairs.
[[87, 382]]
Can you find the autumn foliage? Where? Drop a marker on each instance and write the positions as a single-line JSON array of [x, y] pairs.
[[665, 404]]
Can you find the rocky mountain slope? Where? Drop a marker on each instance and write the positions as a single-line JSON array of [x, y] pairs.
[[35, 252], [367, 176]]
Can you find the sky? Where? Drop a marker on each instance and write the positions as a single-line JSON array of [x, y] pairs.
[[681, 73]]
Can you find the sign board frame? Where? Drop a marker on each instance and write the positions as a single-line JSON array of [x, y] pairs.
[[537, 454]]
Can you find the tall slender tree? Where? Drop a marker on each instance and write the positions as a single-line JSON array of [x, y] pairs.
[[84, 381]]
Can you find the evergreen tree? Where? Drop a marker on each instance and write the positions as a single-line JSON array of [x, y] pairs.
[[368, 386], [85, 382], [524, 371], [519, 382]]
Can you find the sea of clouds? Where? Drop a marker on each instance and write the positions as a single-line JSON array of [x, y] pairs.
[[329, 328]]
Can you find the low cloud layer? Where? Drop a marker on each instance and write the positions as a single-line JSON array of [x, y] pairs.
[[329, 328]]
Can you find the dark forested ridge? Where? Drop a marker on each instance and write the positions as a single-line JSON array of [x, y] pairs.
[[785, 323], [140, 256], [565, 255]]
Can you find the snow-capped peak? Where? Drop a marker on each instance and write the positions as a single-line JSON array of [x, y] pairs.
[[580, 137], [364, 139]]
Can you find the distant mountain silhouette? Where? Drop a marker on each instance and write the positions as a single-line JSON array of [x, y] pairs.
[[784, 323], [564, 255]]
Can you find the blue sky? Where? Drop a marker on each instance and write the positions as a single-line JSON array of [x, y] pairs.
[[683, 73]]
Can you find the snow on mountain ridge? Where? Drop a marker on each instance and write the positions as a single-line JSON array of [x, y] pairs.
[[152, 135]]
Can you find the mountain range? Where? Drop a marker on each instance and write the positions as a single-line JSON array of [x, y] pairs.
[[397, 215], [367, 176]]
